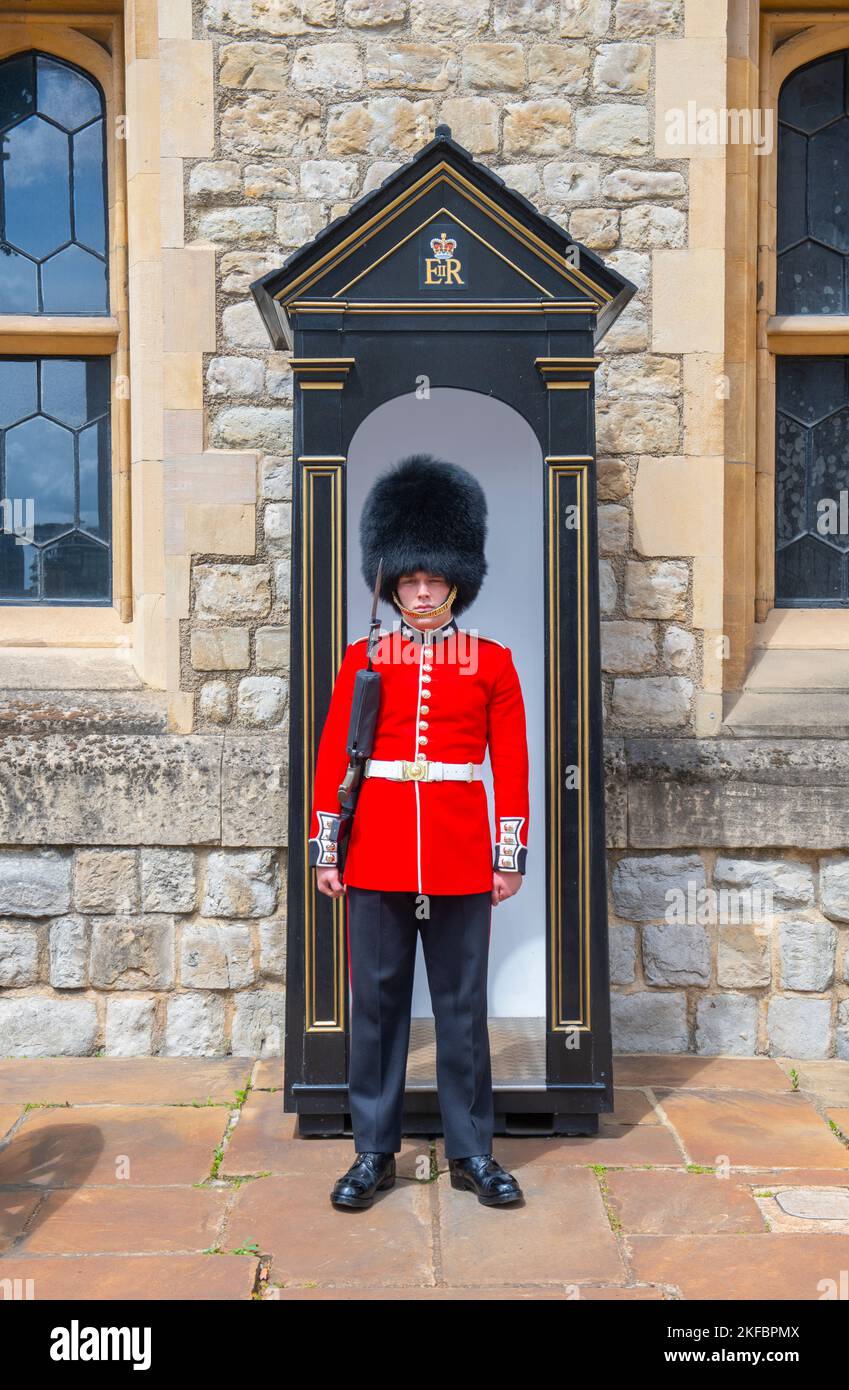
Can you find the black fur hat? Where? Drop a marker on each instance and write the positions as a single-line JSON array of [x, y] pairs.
[[424, 513]]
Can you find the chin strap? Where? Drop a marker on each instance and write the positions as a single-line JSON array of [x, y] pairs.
[[425, 612]]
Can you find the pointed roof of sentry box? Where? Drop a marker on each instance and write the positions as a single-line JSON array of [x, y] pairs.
[[369, 252]]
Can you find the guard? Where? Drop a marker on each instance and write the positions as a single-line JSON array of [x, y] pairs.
[[420, 855]]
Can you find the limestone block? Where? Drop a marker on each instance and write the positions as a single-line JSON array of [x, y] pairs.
[[627, 646], [788, 883], [35, 1026], [232, 591], [195, 1026], [255, 790], [834, 889], [571, 181], [220, 649], [622, 67], [649, 1022], [558, 68], [652, 702], [676, 954], [168, 880], [262, 124], [607, 587], [132, 952], [18, 954], [613, 525], [272, 648], [419, 67], [743, 957], [215, 702], [644, 888], [106, 880], [657, 589], [33, 882], [262, 701], [738, 792], [539, 127], [259, 1023], [272, 945], [623, 953], [678, 648], [807, 952], [727, 1025], [798, 1028], [130, 1027], [94, 789], [216, 956], [68, 953], [241, 883]]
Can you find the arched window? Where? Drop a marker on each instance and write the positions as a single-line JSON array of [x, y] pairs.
[[812, 391], [55, 452]]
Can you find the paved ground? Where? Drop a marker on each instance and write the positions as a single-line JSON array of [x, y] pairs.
[[182, 1177]]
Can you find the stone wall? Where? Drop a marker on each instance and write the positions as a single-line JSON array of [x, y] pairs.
[[728, 884], [135, 952]]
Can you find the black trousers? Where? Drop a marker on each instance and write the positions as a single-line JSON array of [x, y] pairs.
[[382, 934]]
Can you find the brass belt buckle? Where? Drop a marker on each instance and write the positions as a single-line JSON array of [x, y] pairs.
[[414, 772], [471, 776]]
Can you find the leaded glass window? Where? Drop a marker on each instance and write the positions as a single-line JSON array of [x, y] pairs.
[[53, 222], [812, 391], [813, 189], [55, 445], [55, 479], [812, 481]]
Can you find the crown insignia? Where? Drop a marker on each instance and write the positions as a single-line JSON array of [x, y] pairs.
[[443, 247]]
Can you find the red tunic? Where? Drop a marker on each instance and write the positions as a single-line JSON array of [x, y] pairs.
[[428, 837]]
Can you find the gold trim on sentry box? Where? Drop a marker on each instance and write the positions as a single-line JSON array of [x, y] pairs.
[[434, 217], [310, 476], [583, 1023], [443, 172], [448, 306]]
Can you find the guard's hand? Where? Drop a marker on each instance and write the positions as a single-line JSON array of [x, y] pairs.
[[505, 884], [327, 881]]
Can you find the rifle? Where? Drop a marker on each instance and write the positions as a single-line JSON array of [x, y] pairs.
[[365, 705]]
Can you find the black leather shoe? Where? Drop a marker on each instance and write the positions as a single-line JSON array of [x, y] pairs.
[[485, 1176], [369, 1173]]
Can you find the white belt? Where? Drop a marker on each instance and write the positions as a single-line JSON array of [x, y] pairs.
[[399, 770]]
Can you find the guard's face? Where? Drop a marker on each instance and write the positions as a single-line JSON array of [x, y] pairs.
[[424, 589]]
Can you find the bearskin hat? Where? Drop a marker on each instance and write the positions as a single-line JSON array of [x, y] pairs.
[[424, 513]]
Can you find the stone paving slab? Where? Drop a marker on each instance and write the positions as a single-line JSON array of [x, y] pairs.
[[748, 1127], [264, 1141], [775, 1179], [840, 1118], [686, 1072], [108, 1193], [561, 1234], [106, 1221], [633, 1145], [670, 1203], [580, 1292], [827, 1079], [9, 1116], [121, 1080], [71, 1277], [138, 1145], [388, 1243], [771, 1266], [630, 1107], [16, 1208]]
